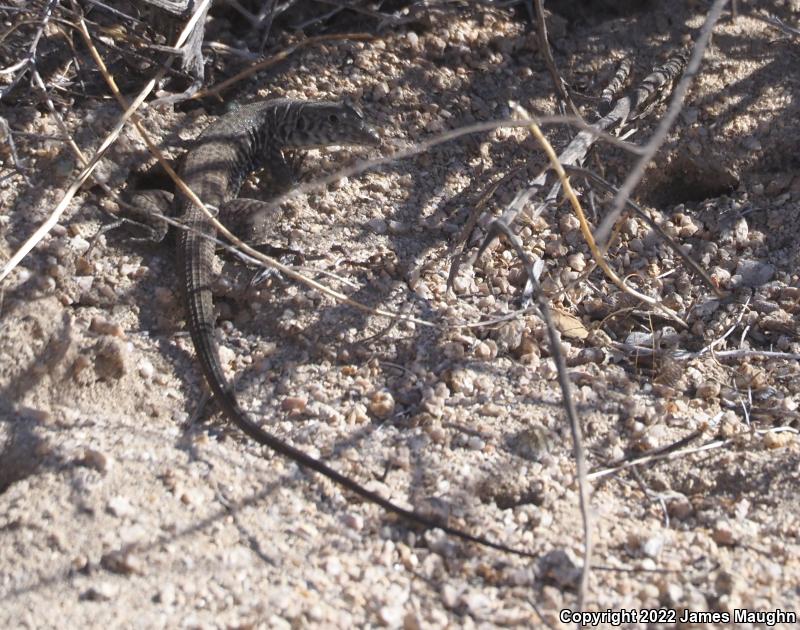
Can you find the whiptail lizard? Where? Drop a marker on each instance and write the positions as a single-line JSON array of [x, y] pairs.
[[247, 139]]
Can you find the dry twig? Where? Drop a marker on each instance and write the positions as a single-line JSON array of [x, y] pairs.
[[569, 405], [544, 47], [670, 454]]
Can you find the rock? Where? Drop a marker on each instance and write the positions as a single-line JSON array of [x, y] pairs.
[[381, 404], [84, 283], [708, 389], [752, 273], [723, 533], [561, 567], [103, 326], [773, 439], [100, 592], [353, 521], [120, 507], [475, 443], [95, 459], [412, 621], [652, 546], [679, 506], [449, 596], [294, 404], [391, 616], [122, 561]]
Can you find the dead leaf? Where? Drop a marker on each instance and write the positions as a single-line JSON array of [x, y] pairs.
[[569, 325]]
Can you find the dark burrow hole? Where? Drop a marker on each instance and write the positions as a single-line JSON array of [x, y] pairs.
[[688, 180]]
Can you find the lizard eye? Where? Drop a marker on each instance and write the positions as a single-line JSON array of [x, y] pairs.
[[333, 119]]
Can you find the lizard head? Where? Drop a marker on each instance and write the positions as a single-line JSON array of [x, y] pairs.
[[323, 124]]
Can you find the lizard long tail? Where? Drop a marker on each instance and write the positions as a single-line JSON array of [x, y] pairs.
[[206, 347]]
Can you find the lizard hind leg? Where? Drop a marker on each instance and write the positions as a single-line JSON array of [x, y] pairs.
[[249, 219], [139, 210], [254, 222], [144, 206]]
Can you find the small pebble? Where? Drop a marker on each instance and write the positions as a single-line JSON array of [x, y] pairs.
[[84, 283], [723, 533], [741, 231], [191, 497], [561, 567], [120, 507], [492, 410], [332, 566], [381, 404], [412, 621], [461, 382], [353, 521], [775, 439], [145, 369], [103, 326], [449, 596], [577, 261], [679, 506], [708, 389], [92, 458], [79, 244], [461, 284], [484, 351], [652, 546], [475, 443], [391, 616], [294, 404], [100, 592]]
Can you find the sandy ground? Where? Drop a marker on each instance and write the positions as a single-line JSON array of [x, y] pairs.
[[115, 512]]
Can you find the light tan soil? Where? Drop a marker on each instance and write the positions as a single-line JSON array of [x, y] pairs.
[[114, 514]]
